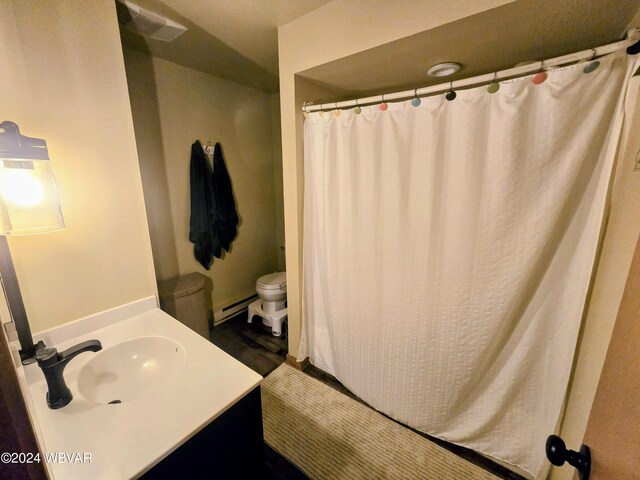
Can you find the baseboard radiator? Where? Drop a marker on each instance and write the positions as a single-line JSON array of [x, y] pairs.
[[229, 311]]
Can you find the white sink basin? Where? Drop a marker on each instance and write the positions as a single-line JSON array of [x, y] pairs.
[[131, 369]]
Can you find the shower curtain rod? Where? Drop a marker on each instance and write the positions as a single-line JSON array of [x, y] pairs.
[[633, 37]]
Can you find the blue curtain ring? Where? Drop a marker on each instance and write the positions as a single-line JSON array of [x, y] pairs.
[[591, 66]]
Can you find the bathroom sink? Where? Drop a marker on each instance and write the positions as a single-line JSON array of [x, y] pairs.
[[131, 369]]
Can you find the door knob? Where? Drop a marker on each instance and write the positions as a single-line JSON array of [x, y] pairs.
[[557, 454]]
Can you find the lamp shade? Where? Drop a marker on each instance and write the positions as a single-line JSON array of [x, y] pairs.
[[29, 200]]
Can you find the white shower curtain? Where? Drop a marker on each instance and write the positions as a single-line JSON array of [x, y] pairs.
[[448, 250]]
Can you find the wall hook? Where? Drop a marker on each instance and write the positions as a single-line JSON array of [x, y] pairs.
[[557, 454]]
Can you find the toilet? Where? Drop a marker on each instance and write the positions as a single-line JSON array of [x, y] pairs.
[[271, 306]]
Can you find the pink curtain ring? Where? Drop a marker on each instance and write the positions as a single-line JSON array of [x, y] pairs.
[[383, 105], [541, 76]]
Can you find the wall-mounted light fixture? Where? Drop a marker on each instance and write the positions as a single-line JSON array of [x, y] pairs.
[[29, 204]]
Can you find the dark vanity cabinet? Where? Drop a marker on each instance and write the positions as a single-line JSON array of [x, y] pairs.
[[230, 447]]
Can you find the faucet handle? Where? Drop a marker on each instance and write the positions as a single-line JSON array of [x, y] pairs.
[[46, 356]]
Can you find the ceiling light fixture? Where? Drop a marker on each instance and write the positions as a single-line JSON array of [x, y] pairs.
[[444, 69]]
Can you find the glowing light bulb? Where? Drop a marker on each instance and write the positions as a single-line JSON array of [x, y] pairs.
[[21, 188]]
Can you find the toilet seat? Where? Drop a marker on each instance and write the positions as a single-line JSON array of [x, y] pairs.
[[273, 281]]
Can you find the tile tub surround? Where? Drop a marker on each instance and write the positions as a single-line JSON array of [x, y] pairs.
[[127, 439]]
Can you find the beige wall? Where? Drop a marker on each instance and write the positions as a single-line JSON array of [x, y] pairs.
[[63, 80], [276, 133], [621, 235], [173, 106], [146, 121], [613, 431]]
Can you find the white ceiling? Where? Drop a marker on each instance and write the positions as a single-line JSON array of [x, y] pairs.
[[238, 40], [232, 39], [248, 26]]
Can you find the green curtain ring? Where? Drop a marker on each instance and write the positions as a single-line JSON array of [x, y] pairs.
[[495, 85], [357, 110]]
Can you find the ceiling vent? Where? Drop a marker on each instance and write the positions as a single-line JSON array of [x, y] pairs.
[[146, 23]]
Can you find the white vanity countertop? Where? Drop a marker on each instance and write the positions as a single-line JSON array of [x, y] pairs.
[[127, 439]]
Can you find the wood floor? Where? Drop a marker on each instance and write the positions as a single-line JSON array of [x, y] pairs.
[[253, 345]]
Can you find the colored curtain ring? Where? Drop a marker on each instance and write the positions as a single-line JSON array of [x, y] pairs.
[[593, 64], [495, 85], [416, 101], [541, 76], [383, 105], [451, 94], [337, 111], [357, 110]]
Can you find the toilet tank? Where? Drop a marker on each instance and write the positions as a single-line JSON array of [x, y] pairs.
[[187, 298]]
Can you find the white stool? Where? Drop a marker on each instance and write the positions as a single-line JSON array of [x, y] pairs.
[[269, 319]]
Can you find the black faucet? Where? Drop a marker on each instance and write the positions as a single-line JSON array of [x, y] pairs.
[[52, 364]]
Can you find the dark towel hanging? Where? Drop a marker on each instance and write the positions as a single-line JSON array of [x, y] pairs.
[[225, 220], [213, 222], [201, 232]]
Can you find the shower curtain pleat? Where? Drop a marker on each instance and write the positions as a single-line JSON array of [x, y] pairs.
[[448, 250]]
